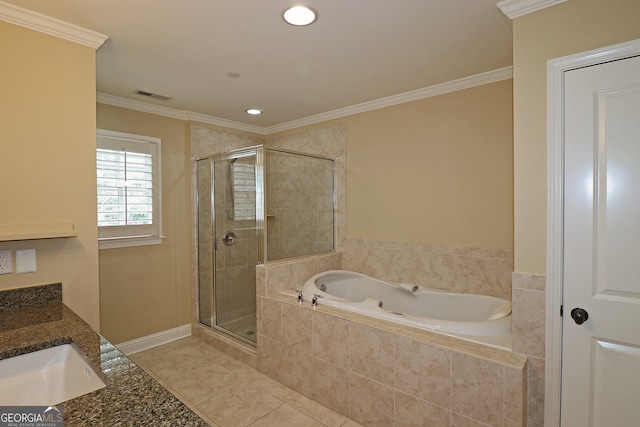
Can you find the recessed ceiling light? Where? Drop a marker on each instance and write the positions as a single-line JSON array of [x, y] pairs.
[[299, 15], [254, 111]]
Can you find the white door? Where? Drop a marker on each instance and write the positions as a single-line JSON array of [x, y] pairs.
[[601, 356]]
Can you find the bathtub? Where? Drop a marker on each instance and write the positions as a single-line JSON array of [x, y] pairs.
[[477, 318]]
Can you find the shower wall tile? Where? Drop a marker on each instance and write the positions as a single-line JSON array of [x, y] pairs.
[[411, 411], [329, 141], [307, 226], [207, 141], [297, 195], [325, 227], [261, 280], [458, 420]]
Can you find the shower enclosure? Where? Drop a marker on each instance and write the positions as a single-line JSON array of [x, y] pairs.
[[256, 205]]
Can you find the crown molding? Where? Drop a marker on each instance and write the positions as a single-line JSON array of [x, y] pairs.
[[505, 73], [217, 121], [516, 8], [415, 95], [130, 104], [51, 26], [116, 101]]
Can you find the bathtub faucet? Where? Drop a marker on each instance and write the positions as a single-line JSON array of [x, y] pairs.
[[300, 297], [314, 300]]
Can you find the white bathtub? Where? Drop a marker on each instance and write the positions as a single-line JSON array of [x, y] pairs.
[[476, 318]]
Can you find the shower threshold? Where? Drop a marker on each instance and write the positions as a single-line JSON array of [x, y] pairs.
[[245, 327]]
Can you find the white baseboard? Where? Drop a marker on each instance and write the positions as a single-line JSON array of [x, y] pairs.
[[154, 340]]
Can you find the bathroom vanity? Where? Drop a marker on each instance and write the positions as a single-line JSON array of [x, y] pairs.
[[33, 319]]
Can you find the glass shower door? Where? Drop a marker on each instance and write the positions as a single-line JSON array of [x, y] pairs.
[[235, 245]]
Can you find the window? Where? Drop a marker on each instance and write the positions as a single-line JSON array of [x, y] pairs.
[[129, 192], [243, 191]]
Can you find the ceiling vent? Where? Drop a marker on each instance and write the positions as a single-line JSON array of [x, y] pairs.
[[151, 95]]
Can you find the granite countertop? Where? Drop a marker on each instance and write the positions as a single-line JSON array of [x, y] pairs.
[[33, 319]]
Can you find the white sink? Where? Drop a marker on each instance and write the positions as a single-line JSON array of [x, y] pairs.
[[46, 377]]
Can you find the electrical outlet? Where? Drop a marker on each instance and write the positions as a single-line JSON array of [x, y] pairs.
[[26, 261], [6, 263]]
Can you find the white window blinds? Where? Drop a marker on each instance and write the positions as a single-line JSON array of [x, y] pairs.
[[244, 191], [128, 178]]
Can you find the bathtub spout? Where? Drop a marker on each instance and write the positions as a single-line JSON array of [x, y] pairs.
[[414, 289]]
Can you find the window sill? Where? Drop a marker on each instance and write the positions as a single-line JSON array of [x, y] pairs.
[[128, 242]]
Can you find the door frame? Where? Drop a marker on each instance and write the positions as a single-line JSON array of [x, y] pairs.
[[555, 211]]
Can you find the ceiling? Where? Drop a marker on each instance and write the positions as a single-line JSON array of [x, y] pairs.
[[357, 51]]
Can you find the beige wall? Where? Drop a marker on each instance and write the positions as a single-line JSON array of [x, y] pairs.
[[565, 29], [47, 135], [147, 289], [435, 171]]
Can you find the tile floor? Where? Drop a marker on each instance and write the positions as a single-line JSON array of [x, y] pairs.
[[228, 393]]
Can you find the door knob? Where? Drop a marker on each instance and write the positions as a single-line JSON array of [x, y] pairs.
[[579, 315]]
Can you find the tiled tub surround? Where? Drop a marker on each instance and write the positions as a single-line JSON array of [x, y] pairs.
[[383, 374], [528, 331], [33, 319], [482, 271]]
